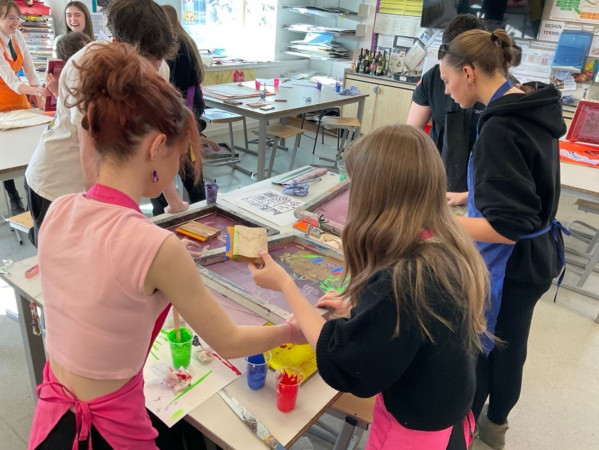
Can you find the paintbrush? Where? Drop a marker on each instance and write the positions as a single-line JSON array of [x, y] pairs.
[[177, 325]]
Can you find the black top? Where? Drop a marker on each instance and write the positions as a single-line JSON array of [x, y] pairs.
[[425, 386], [455, 144], [184, 74], [516, 177]]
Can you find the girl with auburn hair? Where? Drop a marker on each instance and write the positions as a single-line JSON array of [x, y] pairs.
[[512, 200], [414, 305], [100, 324]]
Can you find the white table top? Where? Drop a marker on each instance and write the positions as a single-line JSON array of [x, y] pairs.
[[580, 181], [295, 96], [16, 148]]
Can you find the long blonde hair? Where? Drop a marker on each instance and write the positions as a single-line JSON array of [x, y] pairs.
[[398, 190]]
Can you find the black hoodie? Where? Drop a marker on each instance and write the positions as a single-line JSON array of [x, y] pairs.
[[516, 177]]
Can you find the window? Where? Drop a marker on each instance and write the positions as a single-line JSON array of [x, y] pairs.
[[243, 28]]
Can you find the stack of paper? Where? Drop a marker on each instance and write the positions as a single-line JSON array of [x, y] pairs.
[[22, 118]]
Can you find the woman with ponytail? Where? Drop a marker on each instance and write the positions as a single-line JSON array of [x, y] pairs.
[[513, 193], [109, 274]]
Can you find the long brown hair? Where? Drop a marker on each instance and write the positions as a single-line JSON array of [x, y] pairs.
[[118, 94], [398, 190], [190, 45], [89, 26], [488, 52], [6, 6], [142, 23]]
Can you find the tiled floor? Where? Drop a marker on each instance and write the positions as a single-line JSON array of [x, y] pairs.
[[559, 406]]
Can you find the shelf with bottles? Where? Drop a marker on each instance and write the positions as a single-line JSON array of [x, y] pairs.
[[330, 11], [38, 33], [371, 63]]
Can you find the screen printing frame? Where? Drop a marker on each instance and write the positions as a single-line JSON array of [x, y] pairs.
[[249, 301], [207, 210], [307, 211]]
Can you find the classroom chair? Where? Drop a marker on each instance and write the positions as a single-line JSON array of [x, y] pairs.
[[278, 132]]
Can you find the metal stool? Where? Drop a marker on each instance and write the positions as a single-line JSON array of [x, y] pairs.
[[21, 223], [345, 126], [355, 412], [590, 256], [322, 113], [214, 115], [278, 132]]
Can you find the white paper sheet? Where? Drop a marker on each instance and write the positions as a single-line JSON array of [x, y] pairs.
[[160, 398], [267, 203]]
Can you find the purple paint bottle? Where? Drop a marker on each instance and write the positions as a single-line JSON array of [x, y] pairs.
[[211, 193]]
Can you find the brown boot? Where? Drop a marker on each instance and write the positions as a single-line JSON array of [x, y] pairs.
[[490, 433]]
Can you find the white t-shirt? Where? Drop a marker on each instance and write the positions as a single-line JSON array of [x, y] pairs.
[[7, 74], [55, 167]]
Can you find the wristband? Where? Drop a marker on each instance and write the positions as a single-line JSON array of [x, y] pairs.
[[291, 331]]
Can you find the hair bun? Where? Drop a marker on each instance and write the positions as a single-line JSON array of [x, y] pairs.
[[501, 38]]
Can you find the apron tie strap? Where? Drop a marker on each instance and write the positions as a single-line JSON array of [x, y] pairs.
[[556, 228], [83, 415]]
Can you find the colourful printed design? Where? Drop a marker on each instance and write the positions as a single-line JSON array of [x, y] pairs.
[[570, 5], [313, 273]]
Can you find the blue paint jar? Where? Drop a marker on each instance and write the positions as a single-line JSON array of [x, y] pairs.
[[256, 370]]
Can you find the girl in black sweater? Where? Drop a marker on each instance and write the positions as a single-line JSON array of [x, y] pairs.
[[415, 300]]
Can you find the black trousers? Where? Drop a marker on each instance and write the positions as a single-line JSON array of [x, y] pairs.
[[180, 436], [499, 376], [38, 206], [11, 189]]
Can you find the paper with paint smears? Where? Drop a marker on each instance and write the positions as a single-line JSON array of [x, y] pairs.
[[207, 380]]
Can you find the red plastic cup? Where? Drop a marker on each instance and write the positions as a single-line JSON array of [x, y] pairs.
[[257, 85], [288, 381]]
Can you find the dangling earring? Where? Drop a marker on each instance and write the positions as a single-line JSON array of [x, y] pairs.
[[154, 176]]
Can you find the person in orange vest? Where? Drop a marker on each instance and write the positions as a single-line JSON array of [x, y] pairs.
[[13, 92]]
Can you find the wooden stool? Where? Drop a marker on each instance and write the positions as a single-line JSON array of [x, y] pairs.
[[278, 132], [21, 223], [344, 126], [355, 412]]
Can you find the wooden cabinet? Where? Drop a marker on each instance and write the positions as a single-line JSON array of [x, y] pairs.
[[388, 101]]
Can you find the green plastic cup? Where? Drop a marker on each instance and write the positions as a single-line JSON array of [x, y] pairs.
[[180, 350]]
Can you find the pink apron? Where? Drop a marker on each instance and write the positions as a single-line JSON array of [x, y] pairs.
[[387, 433], [120, 417]]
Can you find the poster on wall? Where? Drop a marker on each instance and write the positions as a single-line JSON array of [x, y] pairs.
[[575, 11], [193, 12]]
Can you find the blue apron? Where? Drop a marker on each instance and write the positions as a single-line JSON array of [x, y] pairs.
[[495, 255]]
